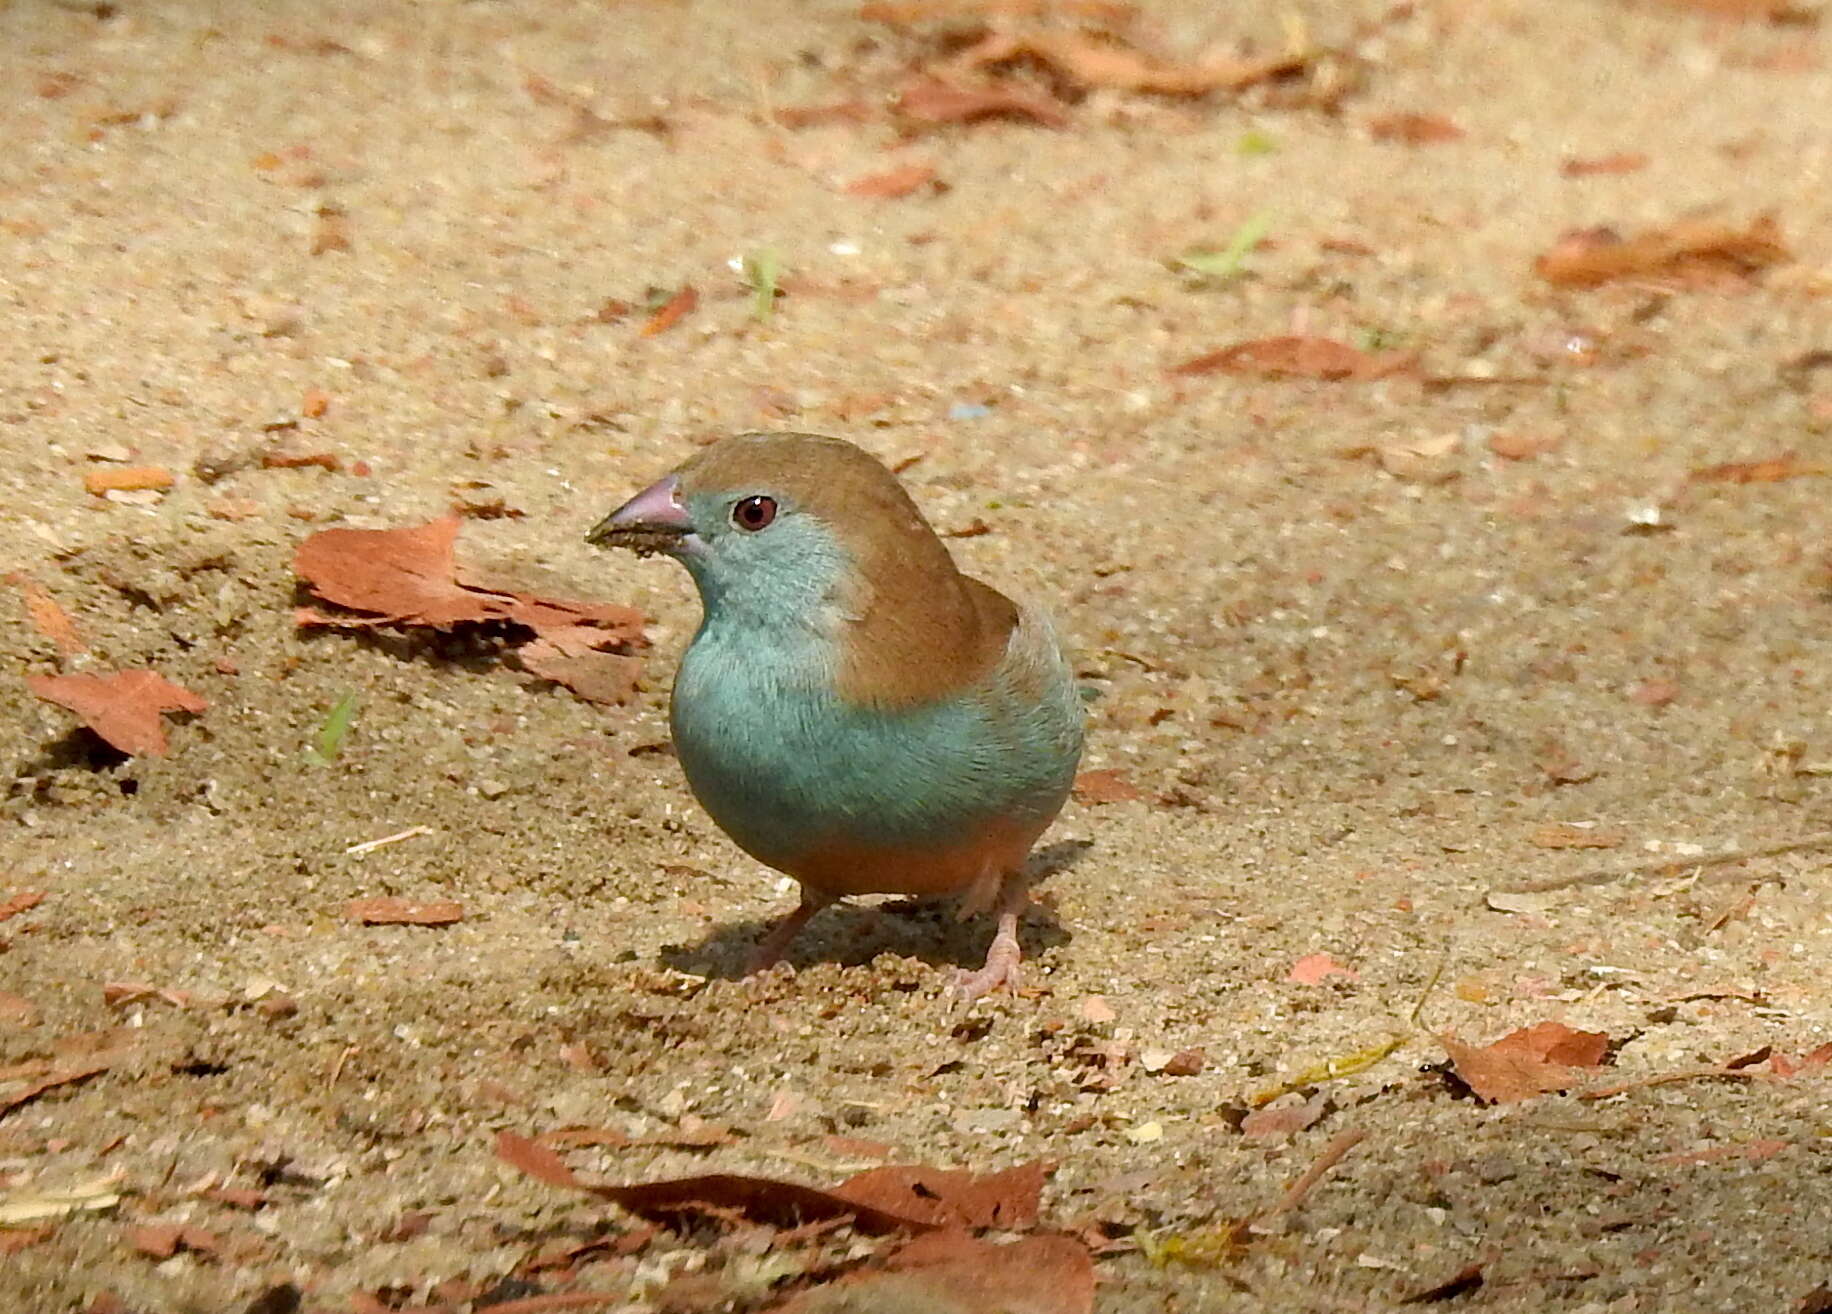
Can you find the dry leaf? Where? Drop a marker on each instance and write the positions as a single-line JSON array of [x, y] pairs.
[[101, 1193], [1621, 162], [48, 618], [1654, 693], [1095, 1009], [573, 656], [1314, 969], [808, 116], [1694, 252], [1522, 447], [1421, 461], [17, 1010], [953, 1272], [672, 311], [1414, 129], [163, 1240], [1521, 904], [387, 911], [1278, 1121], [127, 479], [51, 1081], [1558, 835], [1772, 470], [1186, 1062], [1531, 1061], [879, 1200], [410, 577], [931, 101], [123, 707], [1755, 1151], [280, 459], [1461, 1283], [1299, 358], [893, 183], [12, 1242], [1105, 786], [24, 901], [1103, 60]]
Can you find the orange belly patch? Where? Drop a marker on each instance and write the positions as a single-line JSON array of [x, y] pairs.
[[974, 867]]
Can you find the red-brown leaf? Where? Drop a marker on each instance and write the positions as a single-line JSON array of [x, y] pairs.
[[536, 1160], [123, 707], [24, 901], [672, 311], [51, 1081], [411, 577], [1414, 129], [1314, 969], [49, 619], [1694, 252], [933, 101], [403, 912], [1101, 60], [408, 575], [880, 1200], [1768, 471], [1105, 786], [953, 1272], [127, 479], [941, 1197], [1620, 162], [573, 656], [1299, 358], [1531, 1061], [893, 183]]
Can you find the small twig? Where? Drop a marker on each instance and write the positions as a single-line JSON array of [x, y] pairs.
[[1437, 975], [1604, 876], [1331, 1156], [338, 1067], [1688, 1074], [395, 838]]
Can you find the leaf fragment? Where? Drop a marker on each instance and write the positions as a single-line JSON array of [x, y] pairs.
[[1535, 1060], [123, 707], [390, 911]]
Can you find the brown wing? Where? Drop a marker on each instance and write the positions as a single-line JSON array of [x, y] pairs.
[[923, 636]]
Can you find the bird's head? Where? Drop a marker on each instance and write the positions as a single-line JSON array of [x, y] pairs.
[[781, 526]]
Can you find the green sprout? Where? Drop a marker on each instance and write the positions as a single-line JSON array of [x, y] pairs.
[[760, 272], [1219, 266], [1374, 337], [328, 742]]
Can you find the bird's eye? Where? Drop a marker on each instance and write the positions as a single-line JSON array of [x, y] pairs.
[[754, 513]]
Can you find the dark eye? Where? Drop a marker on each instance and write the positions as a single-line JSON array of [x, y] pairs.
[[754, 513]]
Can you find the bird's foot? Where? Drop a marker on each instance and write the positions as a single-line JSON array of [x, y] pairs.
[[772, 947], [1001, 967]]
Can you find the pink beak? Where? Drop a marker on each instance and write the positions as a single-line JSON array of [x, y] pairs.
[[651, 521]]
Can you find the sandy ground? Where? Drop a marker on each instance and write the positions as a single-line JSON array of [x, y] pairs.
[[1352, 702]]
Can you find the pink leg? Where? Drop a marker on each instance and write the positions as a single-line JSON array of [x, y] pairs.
[[1002, 955], [771, 948]]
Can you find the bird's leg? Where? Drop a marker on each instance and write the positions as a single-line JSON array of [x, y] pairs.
[[1002, 955], [771, 948]]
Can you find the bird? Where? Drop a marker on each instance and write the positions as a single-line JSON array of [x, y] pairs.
[[854, 711]]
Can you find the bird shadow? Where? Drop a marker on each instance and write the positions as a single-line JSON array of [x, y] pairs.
[[852, 934]]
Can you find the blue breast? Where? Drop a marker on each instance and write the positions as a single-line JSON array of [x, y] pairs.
[[782, 764]]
